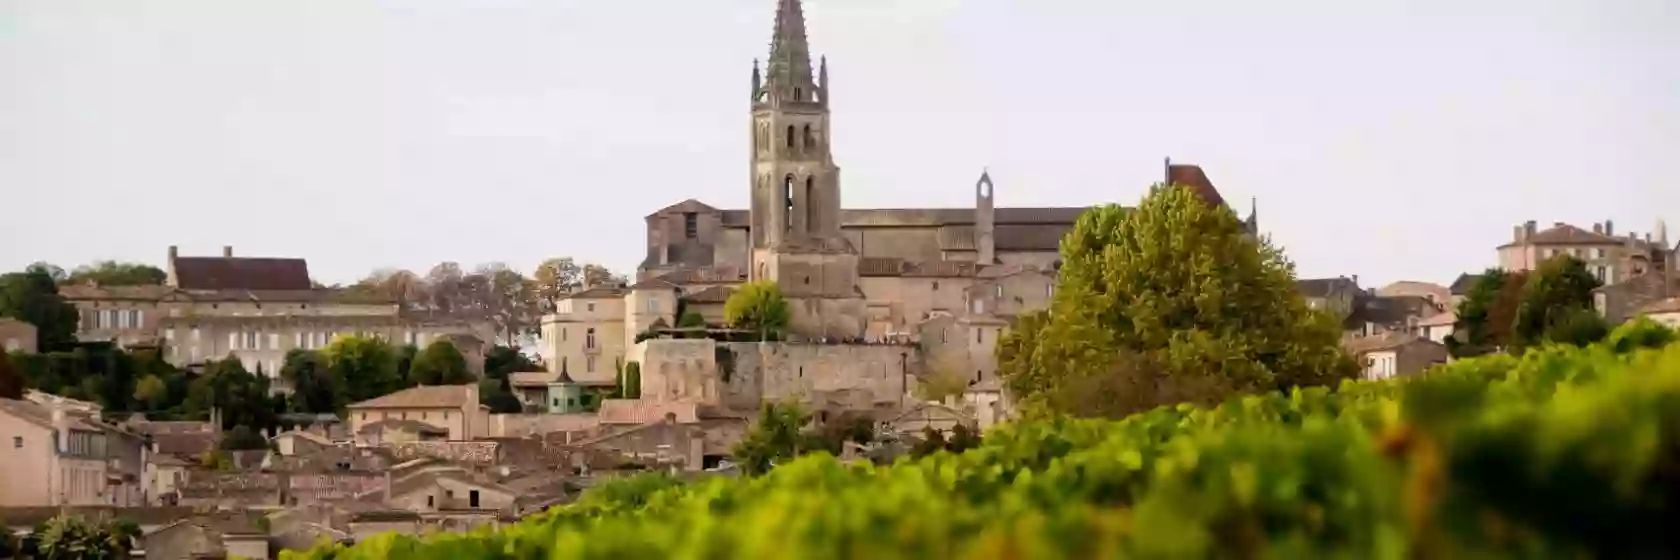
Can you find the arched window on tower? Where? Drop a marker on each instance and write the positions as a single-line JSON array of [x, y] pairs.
[[798, 94], [787, 201], [790, 136], [808, 141], [810, 209]]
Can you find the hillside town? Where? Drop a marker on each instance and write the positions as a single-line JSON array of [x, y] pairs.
[[233, 406]]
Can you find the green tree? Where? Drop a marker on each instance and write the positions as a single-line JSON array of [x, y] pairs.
[[1171, 302], [1487, 313], [242, 438], [151, 392], [1553, 301], [553, 278], [315, 387], [498, 395], [32, 297], [242, 398], [440, 364], [11, 382], [367, 366], [632, 386], [66, 537], [500, 361], [758, 306], [405, 359], [778, 436], [113, 273]]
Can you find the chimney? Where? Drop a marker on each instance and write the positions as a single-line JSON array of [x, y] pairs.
[[1598, 228], [1529, 228], [1558, 224], [1356, 279], [1609, 228], [1517, 233], [227, 250], [169, 265]]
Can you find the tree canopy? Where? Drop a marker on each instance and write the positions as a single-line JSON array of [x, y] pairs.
[[758, 306], [1173, 301], [113, 273], [367, 366], [1557, 304], [32, 297], [440, 364]]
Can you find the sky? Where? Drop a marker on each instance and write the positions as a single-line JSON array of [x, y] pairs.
[[1386, 139]]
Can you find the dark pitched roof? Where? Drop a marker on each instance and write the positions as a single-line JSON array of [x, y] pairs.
[[1192, 176], [1039, 237], [1461, 285], [1323, 287], [241, 273], [1391, 311]]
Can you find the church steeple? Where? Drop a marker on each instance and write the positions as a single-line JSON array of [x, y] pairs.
[[788, 76]]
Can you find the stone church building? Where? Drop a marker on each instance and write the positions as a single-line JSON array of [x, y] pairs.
[[796, 232], [922, 289]]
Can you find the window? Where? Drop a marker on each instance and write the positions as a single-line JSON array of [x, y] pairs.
[[589, 364], [999, 290], [653, 305], [431, 501], [591, 307], [472, 499], [1049, 291], [251, 341], [691, 225], [979, 335], [557, 402], [808, 142], [790, 136], [935, 285], [787, 193], [589, 338], [1598, 252], [233, 341], [17, 442], [273, 341], [562, 334]]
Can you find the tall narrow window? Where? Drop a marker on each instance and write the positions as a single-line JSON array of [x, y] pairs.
[[810, 196], [808, 142], [691, 225], [787, 197], [790, 136], [589, 338]]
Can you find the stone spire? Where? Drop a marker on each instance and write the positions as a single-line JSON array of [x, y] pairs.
[[788, 72]]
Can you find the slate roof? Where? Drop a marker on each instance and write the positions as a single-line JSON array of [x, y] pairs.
[[1324, 287], [1461, 285], [241, 273], [1192, 176], [424, 396]]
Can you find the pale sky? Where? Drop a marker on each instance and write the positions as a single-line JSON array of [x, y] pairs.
[[1393, 140]]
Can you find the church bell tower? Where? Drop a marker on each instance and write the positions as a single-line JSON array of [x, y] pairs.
[[796, 186], [795, 232]]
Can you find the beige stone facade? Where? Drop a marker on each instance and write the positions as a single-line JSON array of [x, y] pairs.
[[453, 409], [1611, 257], [744, 374], [253, 309], [52, 458], [586, 335]]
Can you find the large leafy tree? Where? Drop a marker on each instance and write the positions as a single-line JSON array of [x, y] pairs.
[[315, 387], [1557, 300], [113, 273], [1487, 313], [242, 397], [553, 278], [32, 296], [758, 306], [440, 364], [367, 366], [1171, 302]]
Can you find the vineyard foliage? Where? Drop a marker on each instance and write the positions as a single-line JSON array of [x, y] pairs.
[[1562, 452]]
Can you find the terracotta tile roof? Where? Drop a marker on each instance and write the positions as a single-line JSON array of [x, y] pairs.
[[1192, 176], [637, 411], [1670, 305], [1439, 320], [241, 273], [149, 515], [42, 415], [399, 424], [190, 445], [1565, 234], [424, 396], [598, 293], [531, 379], [1385, 341], [714, 294], [690, 205]]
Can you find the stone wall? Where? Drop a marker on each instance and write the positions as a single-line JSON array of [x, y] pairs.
[[744, 374], [473, 452]]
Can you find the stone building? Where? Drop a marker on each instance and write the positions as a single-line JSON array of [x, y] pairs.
[[1611, 257], [797, 232], [254, 309]]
